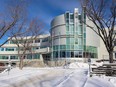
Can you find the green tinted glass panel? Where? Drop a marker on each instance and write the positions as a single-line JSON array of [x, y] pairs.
[[71, 27], [0, 57], [72, 47], [72, 40], [79, 16], [68, 47], [71, 18], [84, 35], [80, 47], [80, 41], [67, 15], [36, 56], [67, 40], [76, 47], [62, 47], [53, 47], [67, 28], [80, 29], [9, 49], [91, 49]]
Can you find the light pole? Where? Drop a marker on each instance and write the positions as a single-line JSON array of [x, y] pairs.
[[52, 44], [59, 47], [89, 62]]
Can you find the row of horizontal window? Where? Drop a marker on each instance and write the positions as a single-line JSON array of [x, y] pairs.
[[70, 16], [20, 49], [7, 57], [73, 54], [91, 49], [68, 47], [75, 47], [71, 27], [30, 41], [76, 41], [32, 56], [28, 56]]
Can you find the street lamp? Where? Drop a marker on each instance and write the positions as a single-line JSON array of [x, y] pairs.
[[89, 62]]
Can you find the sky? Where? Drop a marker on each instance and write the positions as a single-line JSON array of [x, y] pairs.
[[45, 10], [48, 9]]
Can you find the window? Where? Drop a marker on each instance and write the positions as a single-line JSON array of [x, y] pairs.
[[76, 54], [11, 42], [71, 28], [3, 57], [80, 54], [62, 47], [9, 49], [68, 40], [62, 54], [68, 47], [76, 47], [29, 56], [80, 41], [45, 40], [68, 54], [67, 28], [13, 57], [76, 28], [79, 17], [56, 55], [2, 49], [37, 41], [71, 47], [80, 30], [80, 47], [67, 17], [76, 40], [72, 40], [71, 18], [36, 56], [35, 48], [72, 54]]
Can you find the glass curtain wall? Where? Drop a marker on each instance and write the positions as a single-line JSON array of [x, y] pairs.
[[75, 46]]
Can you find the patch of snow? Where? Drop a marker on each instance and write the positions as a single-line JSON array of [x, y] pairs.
[[78, 65], [74, 76]]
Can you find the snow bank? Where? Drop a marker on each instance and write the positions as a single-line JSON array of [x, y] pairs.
[[78, 65]]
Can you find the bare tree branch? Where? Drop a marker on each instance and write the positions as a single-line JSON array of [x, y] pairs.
[[103, 15]]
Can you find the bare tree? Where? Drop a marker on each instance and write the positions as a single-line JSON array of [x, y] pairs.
[[103, 14], [24, 38], [14, 15]]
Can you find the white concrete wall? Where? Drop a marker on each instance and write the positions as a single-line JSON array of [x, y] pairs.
[[59, 20], [103, 54], [58, 29], [92, 39], [61, 41]]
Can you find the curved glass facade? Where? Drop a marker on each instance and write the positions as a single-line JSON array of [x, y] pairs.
[[75, 38]]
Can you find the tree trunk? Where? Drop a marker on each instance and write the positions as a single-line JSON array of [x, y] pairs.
[[110, 56], [21, 63]]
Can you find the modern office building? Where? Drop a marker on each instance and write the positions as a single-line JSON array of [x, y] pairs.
[[69, 39], [35, 49]]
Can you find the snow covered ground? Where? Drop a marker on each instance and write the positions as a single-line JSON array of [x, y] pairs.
[[76, 75]]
